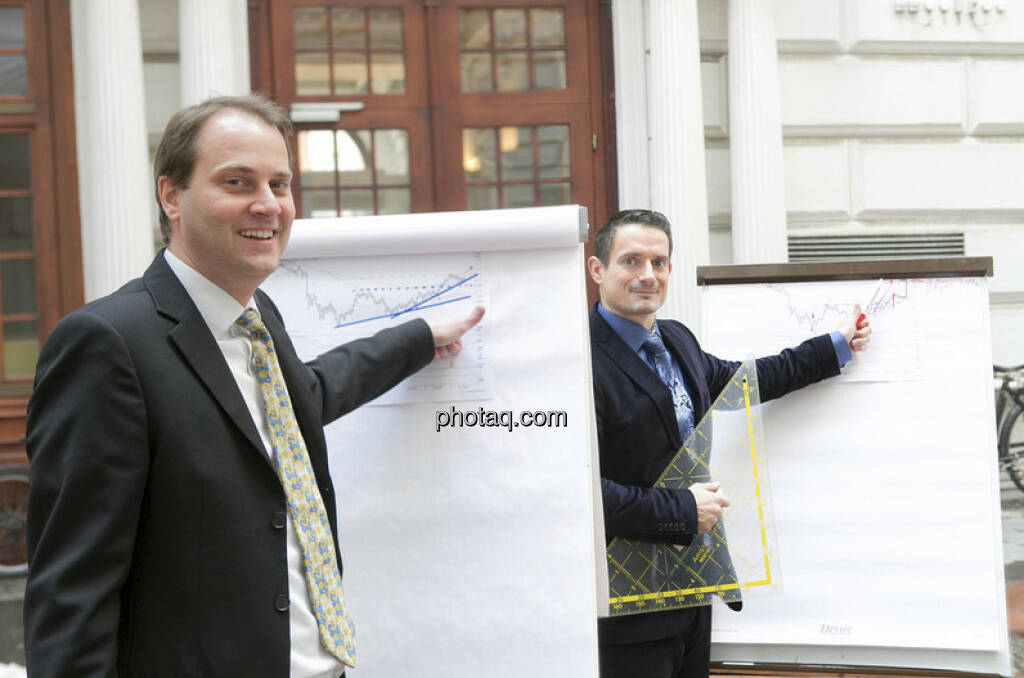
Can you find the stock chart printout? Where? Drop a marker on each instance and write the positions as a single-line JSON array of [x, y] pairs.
[[363, 296], [726, 446], [783, 311]]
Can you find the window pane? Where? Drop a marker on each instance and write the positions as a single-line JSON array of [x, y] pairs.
[[14, 162], [310, 28], [476, 73], [510, 28], [556, 194], [13, 75], [348, 28], [312, 76], [12, 28], [481, 197], [388, 73], [350, 73], [317, 204], [516, 153], [547, 27], [354, 153], [474, 28], [549, 70], [478, 154], [391, 151], [16, 224], [356, 202], [316, 158], [519, 195], [513, 75], [18, 281], [21, 348], [386, 29], [393, 201], [553, 150]]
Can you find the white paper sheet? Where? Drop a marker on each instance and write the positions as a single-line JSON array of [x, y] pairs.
[[470, 551], [886, 497]]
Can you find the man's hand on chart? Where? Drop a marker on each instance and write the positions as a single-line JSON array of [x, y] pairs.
[[448, 336], [710, 504], [856, 329]]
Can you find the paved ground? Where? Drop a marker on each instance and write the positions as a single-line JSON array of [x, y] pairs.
[[12, 647], [1013, 557]]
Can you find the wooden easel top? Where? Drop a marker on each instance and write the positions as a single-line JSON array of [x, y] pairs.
[[942, 267]]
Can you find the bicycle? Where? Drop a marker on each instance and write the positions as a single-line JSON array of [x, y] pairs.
[[1010, 421], [13, 518]]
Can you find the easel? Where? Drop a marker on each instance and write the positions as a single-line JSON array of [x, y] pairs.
[[866, 665]]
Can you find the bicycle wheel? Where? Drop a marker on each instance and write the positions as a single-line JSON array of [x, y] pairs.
[[13, 515], [1011, 445]]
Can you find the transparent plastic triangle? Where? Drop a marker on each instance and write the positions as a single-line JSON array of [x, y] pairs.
[[738, 557]]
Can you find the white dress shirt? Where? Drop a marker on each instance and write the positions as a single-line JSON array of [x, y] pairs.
[[220, 310]]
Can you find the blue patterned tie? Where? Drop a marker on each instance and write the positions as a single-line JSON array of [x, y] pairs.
[[305, 505], [681, 402]]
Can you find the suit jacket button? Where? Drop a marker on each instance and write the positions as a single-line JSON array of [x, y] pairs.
[[279, 520], [281, 602]]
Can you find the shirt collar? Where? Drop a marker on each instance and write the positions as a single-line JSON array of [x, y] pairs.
[[629, 331], [219, 309]]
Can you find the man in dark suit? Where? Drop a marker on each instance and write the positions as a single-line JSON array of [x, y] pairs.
[[652, 384], [162, 541]]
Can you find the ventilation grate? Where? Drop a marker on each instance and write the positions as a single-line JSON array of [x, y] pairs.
[[876, 246]]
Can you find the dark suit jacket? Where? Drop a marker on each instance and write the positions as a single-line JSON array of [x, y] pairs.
[[156, 521], [638, 435]]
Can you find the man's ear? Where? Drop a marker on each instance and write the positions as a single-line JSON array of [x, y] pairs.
[[596, 269], [170, 197]]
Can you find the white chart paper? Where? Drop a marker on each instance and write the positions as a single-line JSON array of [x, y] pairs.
[[468, 550], [884, 481]]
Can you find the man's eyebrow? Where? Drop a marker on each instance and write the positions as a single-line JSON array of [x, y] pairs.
[[635, 253], [245, 169]]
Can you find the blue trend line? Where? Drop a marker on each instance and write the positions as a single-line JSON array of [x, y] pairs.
[[417, 306]]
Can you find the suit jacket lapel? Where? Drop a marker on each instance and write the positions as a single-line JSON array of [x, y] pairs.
[[638, 372], [198, 347]]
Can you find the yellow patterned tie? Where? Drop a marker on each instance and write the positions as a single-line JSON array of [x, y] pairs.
[[305, 505]]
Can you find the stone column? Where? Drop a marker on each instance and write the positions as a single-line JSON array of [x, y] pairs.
[[114, 178], [676, 128], [629, 29], [755, 135], [214, 49]]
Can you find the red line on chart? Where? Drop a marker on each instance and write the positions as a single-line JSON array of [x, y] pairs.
[[896, 295]]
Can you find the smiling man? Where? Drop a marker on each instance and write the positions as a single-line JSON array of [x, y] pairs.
[[652, 384], [181, 515]]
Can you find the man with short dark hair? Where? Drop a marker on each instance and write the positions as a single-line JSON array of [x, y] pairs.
[[652, 385], [181, 515]]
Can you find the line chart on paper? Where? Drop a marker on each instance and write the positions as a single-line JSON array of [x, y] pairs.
[[347, 298], [780, 315]]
